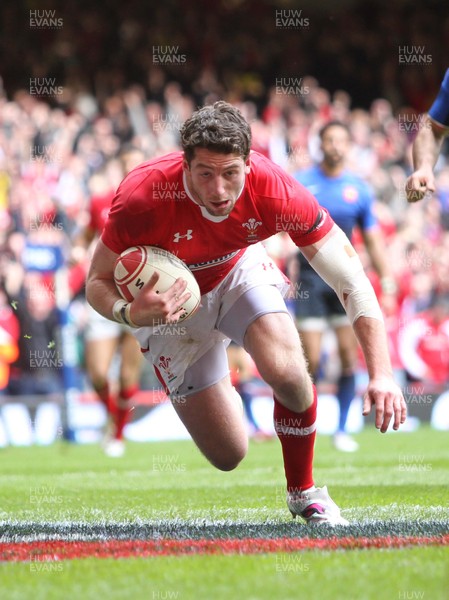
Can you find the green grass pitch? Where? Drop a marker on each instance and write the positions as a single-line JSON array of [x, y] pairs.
[[395, 480]]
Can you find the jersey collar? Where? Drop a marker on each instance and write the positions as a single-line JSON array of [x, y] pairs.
[[203, 210]]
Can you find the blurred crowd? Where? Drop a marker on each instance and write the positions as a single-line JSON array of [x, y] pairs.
[[61, 143], [228, 46]]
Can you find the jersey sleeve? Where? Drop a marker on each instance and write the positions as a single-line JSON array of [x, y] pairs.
[[439, 111], [285, 205], [302, 217], [132, 214], [113, 236]]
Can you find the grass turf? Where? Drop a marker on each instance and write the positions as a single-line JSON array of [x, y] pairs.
[[396, 477], [355, 575]]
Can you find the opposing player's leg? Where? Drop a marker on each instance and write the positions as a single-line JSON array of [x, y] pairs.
[[213, 415], [311, 343], [101, 340], [347, 349], [130, 366], [311, 320], [99, 354]]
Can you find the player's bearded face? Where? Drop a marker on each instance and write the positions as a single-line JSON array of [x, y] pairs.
[[335, 146], [216, 180]]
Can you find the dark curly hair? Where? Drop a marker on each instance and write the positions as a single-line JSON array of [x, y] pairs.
[[219, 127], [330, 124]]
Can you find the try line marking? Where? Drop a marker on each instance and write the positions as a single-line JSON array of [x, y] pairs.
[[51, 551], [53, 541]]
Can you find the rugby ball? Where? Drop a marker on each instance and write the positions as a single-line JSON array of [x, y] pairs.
[[134, 267]]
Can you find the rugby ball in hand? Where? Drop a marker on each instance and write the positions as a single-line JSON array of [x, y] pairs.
[[135, 266]]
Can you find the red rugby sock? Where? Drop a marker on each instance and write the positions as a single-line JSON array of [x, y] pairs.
[[297, 432], [124, 409], [107, 398]]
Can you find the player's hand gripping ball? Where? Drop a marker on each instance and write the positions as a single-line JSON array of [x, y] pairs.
[[135, 266]]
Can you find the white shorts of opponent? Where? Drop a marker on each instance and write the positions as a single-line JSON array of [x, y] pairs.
[[191, 356]]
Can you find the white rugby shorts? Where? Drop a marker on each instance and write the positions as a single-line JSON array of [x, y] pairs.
[[191, 355]]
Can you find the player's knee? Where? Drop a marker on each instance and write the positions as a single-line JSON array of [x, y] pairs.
[[128, 378], [347, 370], [99, 381], [292, 385], [230, 461], [287, 373], [227, 465], [348, 360]]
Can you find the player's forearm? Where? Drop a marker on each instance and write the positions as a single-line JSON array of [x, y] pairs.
[[379, 261], [376, 254], [101, 291], [426, 147], [102, 295], [373, 340]]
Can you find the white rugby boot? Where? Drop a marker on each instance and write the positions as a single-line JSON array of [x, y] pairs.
[[316, 507]]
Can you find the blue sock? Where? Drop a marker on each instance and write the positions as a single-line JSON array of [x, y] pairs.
[[345, 395], [247, 404]]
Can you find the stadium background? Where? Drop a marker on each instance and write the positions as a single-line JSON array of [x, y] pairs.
[[80, 82]]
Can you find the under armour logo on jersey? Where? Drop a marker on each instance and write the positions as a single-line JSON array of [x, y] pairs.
[[187, 235]]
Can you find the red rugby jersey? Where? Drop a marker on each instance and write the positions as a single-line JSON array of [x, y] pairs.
[[153, 207]]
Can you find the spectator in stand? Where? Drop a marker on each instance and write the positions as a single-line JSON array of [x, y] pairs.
[[38, 368], [424, 344], [9, 350], [9, 333]]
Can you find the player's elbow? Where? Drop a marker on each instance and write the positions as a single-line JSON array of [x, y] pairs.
[[361, 301], [90, 292]]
